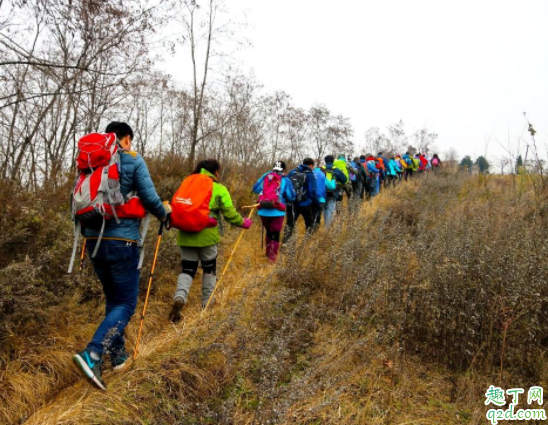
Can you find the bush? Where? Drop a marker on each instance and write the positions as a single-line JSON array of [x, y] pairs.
[[455, 279]]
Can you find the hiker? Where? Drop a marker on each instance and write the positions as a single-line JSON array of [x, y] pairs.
[[423, 162], [400, 166], [409, 165], [416, 163], [202, 246], [304, 183], [365, 191], [341, 164], [428, 162], [382, 166], [436, 162], [116, 259], [375, 174], [322, 194], [335, 180], [276, 191], [358, 183], [392, 171]]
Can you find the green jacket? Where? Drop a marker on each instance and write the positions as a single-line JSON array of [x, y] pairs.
[[221, 203], [416, 164]]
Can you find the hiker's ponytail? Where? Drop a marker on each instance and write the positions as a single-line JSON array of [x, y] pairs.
[[211, 165]]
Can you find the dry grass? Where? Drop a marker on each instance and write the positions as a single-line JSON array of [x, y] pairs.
[[360, 324]]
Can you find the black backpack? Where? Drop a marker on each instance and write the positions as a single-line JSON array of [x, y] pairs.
[[298, 179]]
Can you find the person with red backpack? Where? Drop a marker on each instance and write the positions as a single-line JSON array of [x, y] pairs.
[[423, 162], [112, 193], [275, 192], [197, 208]]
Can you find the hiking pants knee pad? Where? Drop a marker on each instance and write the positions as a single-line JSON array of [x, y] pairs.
[[189, 267], [209, 266]]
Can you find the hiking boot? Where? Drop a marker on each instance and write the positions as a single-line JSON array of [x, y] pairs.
[[119, 361], [213, 301], [175, 314], [90, 368]]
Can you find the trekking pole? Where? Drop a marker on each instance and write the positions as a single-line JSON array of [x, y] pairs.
[[229, 259], [160, 233], [82, 255]]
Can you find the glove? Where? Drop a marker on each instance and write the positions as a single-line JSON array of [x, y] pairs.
[[247, 223], [212, 222], [167, 209]]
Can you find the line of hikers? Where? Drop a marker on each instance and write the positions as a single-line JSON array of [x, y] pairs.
[[311, 191], [114, 194]]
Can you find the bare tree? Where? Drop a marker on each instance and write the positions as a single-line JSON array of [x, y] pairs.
[[205, 28], [376, 141], [62, 72], [425, 140]]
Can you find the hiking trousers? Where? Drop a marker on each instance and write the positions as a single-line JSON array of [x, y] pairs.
[[273, 227], [116, 266], [408, 173], [357, 189], [376, 186], [329, 210], [293, 213], [190, 258], [317, 213]]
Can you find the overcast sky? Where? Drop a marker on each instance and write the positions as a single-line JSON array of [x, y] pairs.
[[465, 69]]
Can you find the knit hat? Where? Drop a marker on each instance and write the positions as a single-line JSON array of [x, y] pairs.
[[279, 166]]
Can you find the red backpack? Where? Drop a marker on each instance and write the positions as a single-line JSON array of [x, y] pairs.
[[270, 195], [96, 193], [190, 204]]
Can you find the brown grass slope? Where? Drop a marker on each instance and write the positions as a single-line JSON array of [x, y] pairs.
[[404, 314]]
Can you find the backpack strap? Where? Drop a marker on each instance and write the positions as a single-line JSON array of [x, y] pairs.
[[99, 238], [146, 222], [77, 228], [109, 191]]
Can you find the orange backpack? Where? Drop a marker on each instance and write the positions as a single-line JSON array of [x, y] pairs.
[[190, 204]]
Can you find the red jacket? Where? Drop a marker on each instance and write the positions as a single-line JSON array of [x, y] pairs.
[[424, 163]]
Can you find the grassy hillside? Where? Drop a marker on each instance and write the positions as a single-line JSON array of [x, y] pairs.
[[403, 314]]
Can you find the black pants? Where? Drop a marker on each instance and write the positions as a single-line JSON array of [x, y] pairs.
[[293, 213], [408, 173], [317, 214], [357, 189], [369, 187]]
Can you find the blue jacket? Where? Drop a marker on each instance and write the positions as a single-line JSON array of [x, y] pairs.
[[392, 169], [287, 194], [134, 175], [408, 160], [310, 194], [320, 185], [372, 168]]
